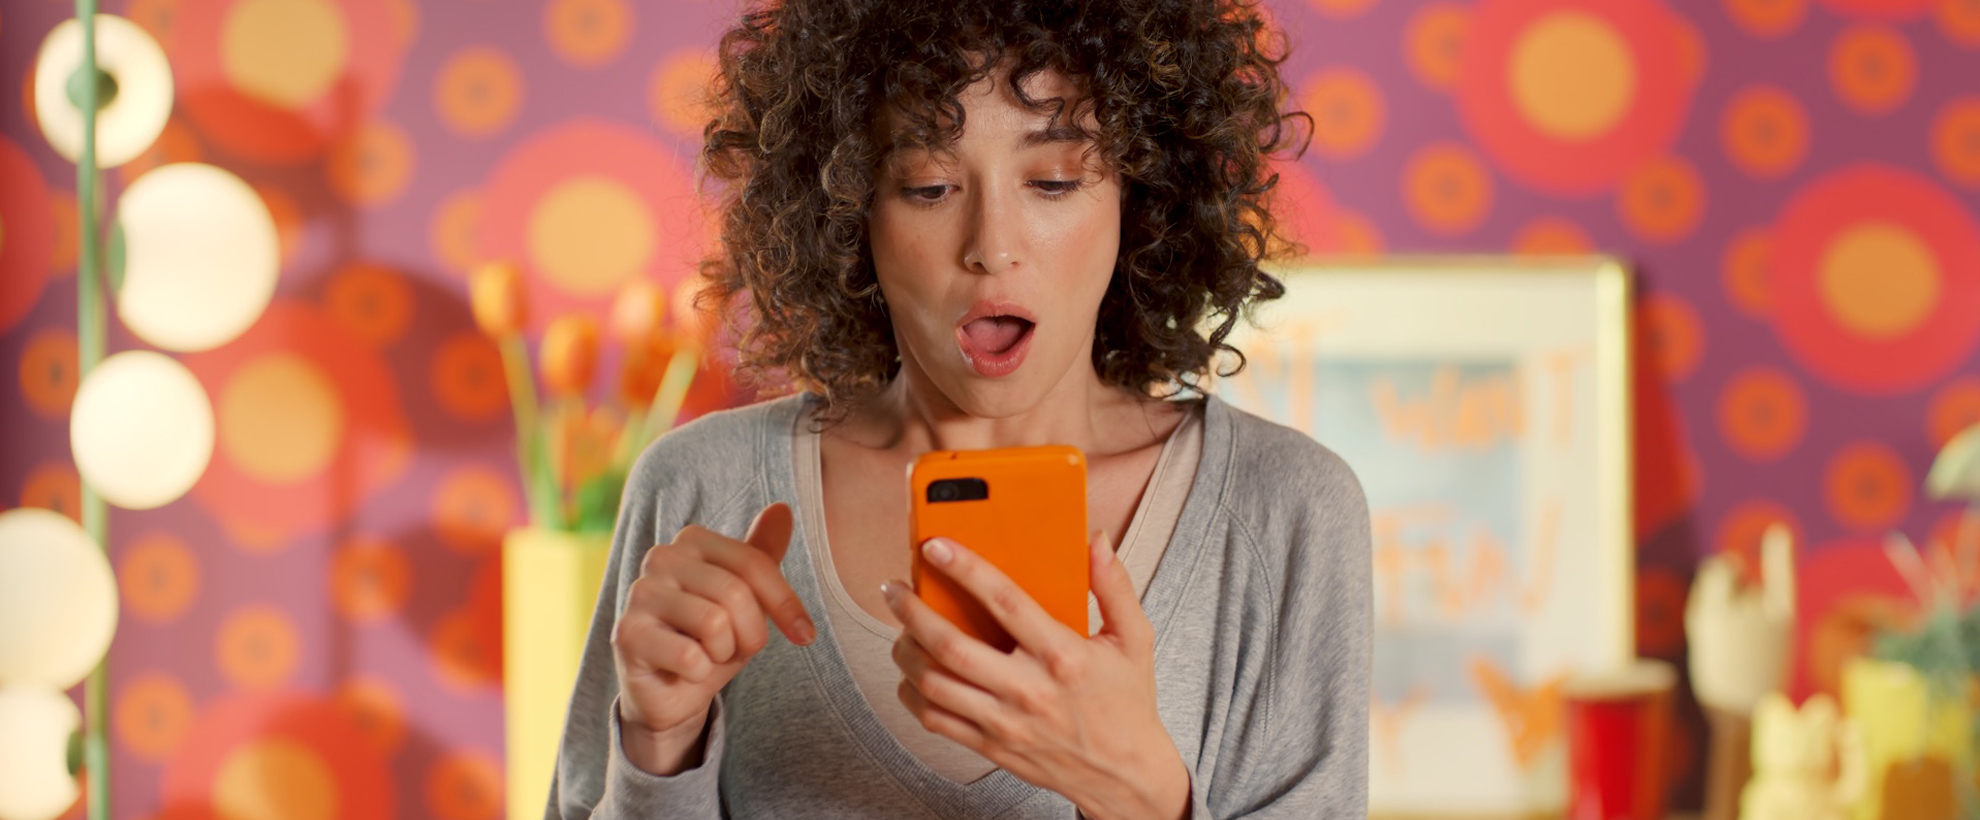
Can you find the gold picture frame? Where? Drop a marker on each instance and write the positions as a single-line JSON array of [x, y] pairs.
[[1484, 403]]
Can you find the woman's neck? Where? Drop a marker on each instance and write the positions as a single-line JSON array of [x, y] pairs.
[[912, 417]]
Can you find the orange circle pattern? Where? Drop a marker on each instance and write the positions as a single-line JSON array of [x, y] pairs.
[[1663, 201], [1872, 69], [153, 714], [1767, 18], [1447, 189], [1552, 236], [1868, 487], [375, 710], [1763, 414], [1434, 43], [49, 373], [54, 486], [1765, 131], [473, 507], [1347, 112], [465, 786], [1674, 333], [1956, 141], [479, 91], [467, 377], [588, 33], [159, 578], [373, 301], [373, 166], [1954, 408], [369, 581], [1959, 20], [258, 647]]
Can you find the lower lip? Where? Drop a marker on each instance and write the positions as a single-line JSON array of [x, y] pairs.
[[991, 365]]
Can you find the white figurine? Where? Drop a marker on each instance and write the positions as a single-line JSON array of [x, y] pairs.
[[1807, 763]]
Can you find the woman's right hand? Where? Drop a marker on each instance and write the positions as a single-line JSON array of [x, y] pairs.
[[693, 619]]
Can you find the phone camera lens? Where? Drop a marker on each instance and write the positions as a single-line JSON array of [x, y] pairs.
[[943, 491]]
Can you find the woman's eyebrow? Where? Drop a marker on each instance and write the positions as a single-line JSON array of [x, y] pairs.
[[1053, 135]]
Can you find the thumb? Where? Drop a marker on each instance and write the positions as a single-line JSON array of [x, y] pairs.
[[771, 531], [1120, 609]]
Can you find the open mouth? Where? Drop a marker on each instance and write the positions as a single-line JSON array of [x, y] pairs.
[[994, 341]]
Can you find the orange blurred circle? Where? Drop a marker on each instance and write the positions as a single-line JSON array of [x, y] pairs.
[[1764, 131], [1552, 236], [467, 649], [54, 485], [479, 91], [1347, 111], [1744, 527], [67, 233], [1763, 414], [1660, 597], [1959, 20], [1743, 270], [1341, 8], [453, 230], [1674, 333], [1867, 487], [1954, 408], [678, 92], [176, 143], [1956, 141], [152, 715], [473, 507], [49, 372], [1356, 234], [156, 17], [373, 301], [1433, 43], [588, 33], [1662, 201], [258, 647], [159, 577], [467, 377], [1872, 68], [369, 580], [1849, 629], [371, 166], [1446, 189], [375, 709], [1767, 18], [464, 784], [288, 218]]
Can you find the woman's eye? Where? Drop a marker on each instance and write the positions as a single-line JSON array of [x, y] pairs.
[[1057, 187], [925, 193]]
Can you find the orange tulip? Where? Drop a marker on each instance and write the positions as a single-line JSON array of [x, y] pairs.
[[495, 294], [639, 313], [645, 365], [570, 354]]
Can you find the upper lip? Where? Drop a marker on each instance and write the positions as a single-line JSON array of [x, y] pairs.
[[985, 309]]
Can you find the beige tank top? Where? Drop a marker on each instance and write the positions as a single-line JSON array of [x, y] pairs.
[[867, 643]]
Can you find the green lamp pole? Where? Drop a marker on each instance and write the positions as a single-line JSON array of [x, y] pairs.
[[90, 89]]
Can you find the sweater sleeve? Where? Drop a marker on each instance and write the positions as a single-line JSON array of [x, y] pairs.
[[594, 778], [1305, 754]]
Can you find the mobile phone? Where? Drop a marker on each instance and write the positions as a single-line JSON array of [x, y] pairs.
[[1024, 510]]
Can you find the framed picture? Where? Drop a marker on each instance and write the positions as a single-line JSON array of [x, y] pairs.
[[1483, 402]]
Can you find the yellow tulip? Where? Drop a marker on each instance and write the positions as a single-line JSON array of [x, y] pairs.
[[570, 354], [495, 294]]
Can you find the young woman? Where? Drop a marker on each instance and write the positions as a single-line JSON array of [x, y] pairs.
[[966, 225]]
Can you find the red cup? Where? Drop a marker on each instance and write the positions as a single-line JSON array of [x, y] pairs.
[[1618, 726]]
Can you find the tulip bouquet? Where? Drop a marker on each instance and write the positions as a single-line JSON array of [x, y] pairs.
[[574, 453]]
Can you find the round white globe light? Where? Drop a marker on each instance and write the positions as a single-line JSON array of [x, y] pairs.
[[35, 783], [133, 119], [141, 429], [58, 600], [200, 257]]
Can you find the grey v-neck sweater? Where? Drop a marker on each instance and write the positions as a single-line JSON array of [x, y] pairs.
[[1261, 608]]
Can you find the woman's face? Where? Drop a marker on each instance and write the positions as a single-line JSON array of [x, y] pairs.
[[993, 256]]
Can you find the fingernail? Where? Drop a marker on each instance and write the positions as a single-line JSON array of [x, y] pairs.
[[806, 631], [938, 551], [890, 591]]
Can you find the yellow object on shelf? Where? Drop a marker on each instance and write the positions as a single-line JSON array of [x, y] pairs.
[[1903, 724], [550, 585]]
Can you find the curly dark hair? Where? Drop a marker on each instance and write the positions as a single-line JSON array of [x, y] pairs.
[[1186, 104]]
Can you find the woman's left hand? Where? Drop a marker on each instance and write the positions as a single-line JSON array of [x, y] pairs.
[[1064, 711]]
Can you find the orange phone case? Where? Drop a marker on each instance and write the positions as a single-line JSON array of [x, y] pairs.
[[1032, 526]]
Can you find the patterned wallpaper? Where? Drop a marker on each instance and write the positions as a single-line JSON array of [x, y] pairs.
[[1797, 182]]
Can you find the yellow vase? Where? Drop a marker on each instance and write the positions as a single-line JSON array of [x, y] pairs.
[[1906, 728], [550, 585]]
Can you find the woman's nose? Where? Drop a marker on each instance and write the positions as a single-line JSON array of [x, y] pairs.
[[992, 243]]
